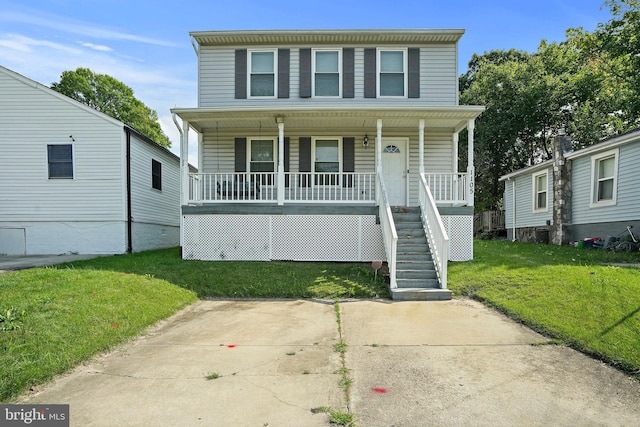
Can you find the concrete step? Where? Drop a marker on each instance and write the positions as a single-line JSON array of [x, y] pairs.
[[417, 283], [408, 247], [419, 294], [425, 274]]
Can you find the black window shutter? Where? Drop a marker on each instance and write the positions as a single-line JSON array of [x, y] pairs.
[[348, 159], [305, 72], [241, 154], [241, 73], [348, 72], [414, 72], [370, 72], [283, 73], [305, 160]]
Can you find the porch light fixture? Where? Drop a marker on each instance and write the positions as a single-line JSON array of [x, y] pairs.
[[365, 141]]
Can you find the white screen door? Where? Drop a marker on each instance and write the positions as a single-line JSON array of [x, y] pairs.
[[394, 170]]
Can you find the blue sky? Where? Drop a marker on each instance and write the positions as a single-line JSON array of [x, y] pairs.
[[146, 45]]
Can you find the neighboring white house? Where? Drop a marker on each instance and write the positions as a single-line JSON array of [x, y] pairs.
[[592, 192], [74, 180], [306, 139]]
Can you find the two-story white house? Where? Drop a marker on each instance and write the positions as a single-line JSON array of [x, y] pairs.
[[330, 146]]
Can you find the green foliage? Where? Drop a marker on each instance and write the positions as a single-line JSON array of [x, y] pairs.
[[576, 296], [11, 319], [587, 85], [112, 97]]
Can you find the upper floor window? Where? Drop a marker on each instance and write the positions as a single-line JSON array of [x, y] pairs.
[[60, 160], [262, 73], [392, 73], [604, 172], [326, 71], [540, 190], [156, 174]]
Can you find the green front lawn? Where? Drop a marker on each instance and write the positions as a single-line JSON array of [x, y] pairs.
[[574, 295]]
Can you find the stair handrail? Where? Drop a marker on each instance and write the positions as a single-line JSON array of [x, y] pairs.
[[389, 233], [435, 231]]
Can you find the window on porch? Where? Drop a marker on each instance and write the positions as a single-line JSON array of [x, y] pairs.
[[327, 161]]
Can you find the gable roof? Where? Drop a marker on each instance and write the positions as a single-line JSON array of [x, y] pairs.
[[39, 86]]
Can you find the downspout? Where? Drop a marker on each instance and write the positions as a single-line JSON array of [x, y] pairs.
[[513, 209], [129, 214]]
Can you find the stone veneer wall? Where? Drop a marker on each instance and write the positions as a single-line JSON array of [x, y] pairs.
[[559, 231]]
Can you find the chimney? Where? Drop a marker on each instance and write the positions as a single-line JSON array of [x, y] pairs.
[[559, 231]]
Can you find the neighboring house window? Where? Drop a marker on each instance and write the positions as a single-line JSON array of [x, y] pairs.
[[392, 75], [540, 191], [60, 160], [156, 174], [326, 160], [262, 73], [603, 177], [326, 71]]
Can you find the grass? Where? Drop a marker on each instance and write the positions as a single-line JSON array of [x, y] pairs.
[[572, 295], [61, 317], [250, 279]]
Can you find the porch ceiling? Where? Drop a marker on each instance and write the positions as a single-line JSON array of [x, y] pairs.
[[453, 118]]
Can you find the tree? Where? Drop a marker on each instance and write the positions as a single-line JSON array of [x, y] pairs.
[[112, 97]]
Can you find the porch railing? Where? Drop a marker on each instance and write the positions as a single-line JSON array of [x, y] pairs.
[[436, 233], [390, 236], [309, 187], [299, 187], [448, 187]]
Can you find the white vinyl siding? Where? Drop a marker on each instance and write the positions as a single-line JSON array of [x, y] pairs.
[[148, 204], [438, 79]]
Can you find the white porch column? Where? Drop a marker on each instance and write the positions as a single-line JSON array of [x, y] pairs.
[[184, 164], [280, 179], [456, 189], [470, 168], [379, 146], [421, 144]]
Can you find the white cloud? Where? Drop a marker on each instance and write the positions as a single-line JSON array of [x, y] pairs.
[[98, 47], [61, 23]]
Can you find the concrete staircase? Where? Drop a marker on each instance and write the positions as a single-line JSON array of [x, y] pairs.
[[415, 272]]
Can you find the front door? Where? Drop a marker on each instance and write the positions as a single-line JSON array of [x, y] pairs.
[[394, 169]]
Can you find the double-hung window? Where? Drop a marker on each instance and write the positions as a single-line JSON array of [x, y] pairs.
[[540, 192], [262, 73], [60, 161], [392, 73], [604, 172], [326, 71], [326, 161]]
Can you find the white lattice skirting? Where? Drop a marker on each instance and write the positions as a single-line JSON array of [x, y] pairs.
[[283, 237], [460, 231]]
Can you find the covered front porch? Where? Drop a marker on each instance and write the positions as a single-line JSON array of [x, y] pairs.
[[334, 175]]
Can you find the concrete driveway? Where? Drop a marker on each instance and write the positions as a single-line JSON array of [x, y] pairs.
[[411, 364]]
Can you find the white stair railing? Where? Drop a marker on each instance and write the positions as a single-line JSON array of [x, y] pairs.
[[389, 234], [435, 231]]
